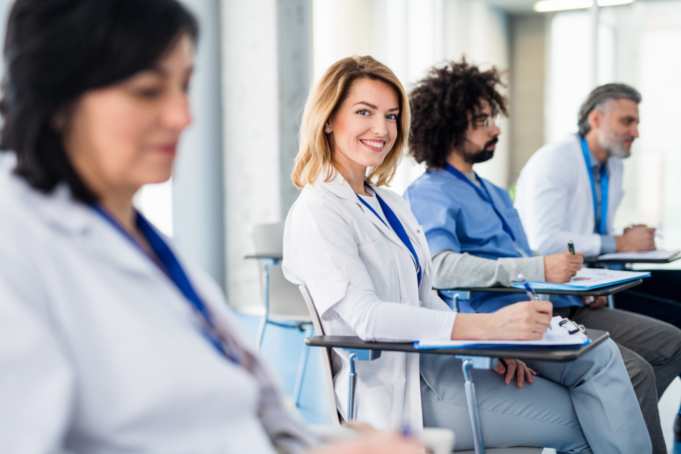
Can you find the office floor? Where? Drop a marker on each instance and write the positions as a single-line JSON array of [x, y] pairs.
[[282, 348]]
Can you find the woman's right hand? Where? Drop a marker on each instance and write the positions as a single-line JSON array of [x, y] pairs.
[[520, 321], [380, 443]]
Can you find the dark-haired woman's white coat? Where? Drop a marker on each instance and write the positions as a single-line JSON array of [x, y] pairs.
[[100, 352]]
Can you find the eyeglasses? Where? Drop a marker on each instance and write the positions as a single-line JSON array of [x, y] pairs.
[[487, 121]]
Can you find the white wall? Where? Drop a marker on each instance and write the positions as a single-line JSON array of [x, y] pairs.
[[569, 68], [251, 140]]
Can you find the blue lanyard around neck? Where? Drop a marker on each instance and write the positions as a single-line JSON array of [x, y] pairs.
[[397, 228], [167, 261], [604, 187], [484, 194]]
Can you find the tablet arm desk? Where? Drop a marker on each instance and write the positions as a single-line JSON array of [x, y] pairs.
[[464, 293], [472, 358]]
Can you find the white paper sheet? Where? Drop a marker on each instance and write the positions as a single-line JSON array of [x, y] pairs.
[[589, 279], [557, 335], [634, 256]]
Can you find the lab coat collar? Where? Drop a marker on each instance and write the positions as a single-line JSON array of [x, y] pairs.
[[337, 185], [61, 212], [340, 187]]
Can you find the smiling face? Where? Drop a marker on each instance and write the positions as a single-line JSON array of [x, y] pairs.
[[124, 136], [364, 128]]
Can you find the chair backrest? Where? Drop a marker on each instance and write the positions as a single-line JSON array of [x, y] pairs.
[[285, 300], [268, 238], [326, 355]]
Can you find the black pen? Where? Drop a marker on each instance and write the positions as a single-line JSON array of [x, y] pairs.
[[571, 247]]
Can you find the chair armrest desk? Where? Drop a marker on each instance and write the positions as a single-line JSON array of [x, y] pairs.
[[476, 358], [625, 262], [465, 292]]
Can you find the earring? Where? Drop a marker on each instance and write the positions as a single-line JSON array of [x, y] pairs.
[[327, 130]]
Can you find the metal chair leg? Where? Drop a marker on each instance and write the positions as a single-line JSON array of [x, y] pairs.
[[473, 412], [475, 362], [261, 330], [353, 381], [266, 297], [611, 301], [301, 369]]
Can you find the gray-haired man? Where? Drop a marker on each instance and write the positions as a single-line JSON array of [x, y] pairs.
[[559, 194], [570, 190]]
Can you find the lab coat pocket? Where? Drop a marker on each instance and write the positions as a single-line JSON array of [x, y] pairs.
[[381, 269], [375, 406]]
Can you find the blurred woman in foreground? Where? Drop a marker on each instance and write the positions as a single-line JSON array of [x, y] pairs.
[[109, 341]]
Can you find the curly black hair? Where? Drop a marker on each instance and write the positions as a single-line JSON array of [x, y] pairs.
[[441, 104]]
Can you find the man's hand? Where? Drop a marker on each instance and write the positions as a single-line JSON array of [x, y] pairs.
[[595, 302], [514, 367], [519, 321], [636, 239], [560, 268]]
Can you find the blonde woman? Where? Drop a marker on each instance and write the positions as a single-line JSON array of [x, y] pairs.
[[364, 259]]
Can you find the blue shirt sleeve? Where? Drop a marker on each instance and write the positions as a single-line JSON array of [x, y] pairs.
[[608, 244]]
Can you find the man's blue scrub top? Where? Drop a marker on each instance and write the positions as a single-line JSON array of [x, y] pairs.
[[455, 217]]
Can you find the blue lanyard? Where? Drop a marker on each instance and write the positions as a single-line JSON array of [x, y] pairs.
[[604, 187], [484, 195], [167, 261], [397, 228]]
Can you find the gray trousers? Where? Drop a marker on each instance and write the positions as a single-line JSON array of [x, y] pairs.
[[583, 406], [651, 350]]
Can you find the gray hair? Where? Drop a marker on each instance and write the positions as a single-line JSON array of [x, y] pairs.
[[598, 98]]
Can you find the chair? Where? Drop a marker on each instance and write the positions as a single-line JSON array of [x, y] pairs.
[[328, 374], [284, 306]]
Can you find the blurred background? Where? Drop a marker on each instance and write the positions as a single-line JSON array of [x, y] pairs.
[[258, 59]]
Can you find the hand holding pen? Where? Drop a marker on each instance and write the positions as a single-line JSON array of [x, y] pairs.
[[529, 290], [560, 268]]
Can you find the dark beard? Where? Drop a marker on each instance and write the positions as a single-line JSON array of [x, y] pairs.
[[481, 155]]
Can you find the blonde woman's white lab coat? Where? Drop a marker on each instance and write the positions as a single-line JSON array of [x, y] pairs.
[[331, 242], [99, 350], [554, 199]]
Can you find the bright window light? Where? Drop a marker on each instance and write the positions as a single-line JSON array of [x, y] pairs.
[[562, 5]]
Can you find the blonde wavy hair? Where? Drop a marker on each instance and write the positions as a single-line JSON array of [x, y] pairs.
[[314, 153]]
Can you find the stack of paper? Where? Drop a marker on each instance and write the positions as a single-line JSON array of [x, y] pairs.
[[589, 279], [556, 336], [635, 256]]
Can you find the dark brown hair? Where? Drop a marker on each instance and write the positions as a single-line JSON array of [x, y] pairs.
[[57, 50]]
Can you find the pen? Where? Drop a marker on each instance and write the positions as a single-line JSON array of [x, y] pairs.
[[571, 247], [406, 431], [529, 290]]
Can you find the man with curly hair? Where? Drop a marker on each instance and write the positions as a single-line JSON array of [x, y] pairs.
[[476, 238]]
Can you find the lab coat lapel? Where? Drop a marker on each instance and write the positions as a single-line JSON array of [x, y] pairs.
[[341, 188], [111, 246], [60, 212]]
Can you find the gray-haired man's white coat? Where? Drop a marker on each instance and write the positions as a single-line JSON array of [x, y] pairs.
[[555, 202]]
